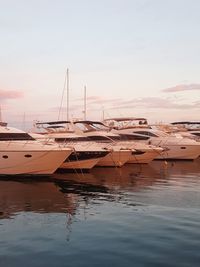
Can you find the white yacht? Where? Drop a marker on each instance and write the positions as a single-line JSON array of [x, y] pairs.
[[87, 151], [118, 156], [193, 134], [190, 129], [140, 153], [176, 147], [22, 154], [85, 155]]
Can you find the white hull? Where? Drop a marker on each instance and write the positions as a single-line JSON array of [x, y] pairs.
[[148, 152], [85, 156], [174, 147], [40, 162], [30, 157], [115, 158], [185, 152], [80, 164], [144, 158]]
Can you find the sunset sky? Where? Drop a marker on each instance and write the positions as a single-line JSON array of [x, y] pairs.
[[136, 58]]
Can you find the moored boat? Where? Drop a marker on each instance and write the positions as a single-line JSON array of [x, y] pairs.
[[175, 147], [21, 154], [85, 155]]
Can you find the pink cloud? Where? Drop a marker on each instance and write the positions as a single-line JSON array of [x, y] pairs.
[[182, 87], [148, 103], [10, 94], [154, 103], [98, 100], [103, 101], [90, 98]]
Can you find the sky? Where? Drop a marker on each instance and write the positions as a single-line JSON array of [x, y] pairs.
[[135, 57]]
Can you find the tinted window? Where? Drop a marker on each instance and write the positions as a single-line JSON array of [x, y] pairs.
[[146, 133], [15, 136], [197, 134], [99, 138], [74, 139], [126, 137]]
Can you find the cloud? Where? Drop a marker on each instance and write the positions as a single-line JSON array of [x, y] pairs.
[[182, 87], [10, 94], [99, 100], [90, 98], [108, 101], [144, 103], [154, 103]]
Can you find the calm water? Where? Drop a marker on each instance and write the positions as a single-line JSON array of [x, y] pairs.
[[134, 216]]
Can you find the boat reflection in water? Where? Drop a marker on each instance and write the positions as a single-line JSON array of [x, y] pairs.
[[178, 167], [67, 192], [146, 214], [63, 192]]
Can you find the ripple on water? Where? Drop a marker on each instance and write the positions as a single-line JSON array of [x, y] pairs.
[[135, 216]]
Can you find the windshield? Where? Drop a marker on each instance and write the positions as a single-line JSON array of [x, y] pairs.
[[124, 124], [99, 127], [152, 133], [89, 127]]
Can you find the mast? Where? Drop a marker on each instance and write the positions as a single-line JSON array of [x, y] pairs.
[[1, 121], [67, 74], [0, 115], [24, 121], [66, 80], [85, 114], [103, 114]]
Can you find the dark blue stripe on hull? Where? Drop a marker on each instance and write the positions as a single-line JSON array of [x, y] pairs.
[[84, 155]]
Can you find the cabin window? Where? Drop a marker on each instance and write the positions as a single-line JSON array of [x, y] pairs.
[[99, 138], [137, 152], [183, 147], [129, 137], [15, 136], [4, 156], [71, 139], [197, 134], [146, 133], [28, 156]]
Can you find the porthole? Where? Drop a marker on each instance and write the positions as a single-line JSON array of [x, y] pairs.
[[183, 147], [27, 156], [5, 156]]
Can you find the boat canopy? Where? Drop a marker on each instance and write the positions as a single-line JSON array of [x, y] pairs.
[[51, 122], [126, 119], [186, 122], [89, 122]]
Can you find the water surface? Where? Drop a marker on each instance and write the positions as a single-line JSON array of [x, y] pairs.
[[139, 215]]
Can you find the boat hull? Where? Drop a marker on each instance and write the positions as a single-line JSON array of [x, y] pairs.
[[83, 159], [143, 157], [115, 158], [182, 152], [31, 162]]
